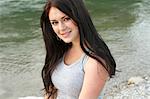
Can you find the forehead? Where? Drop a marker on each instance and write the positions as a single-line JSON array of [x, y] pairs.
[[55, 13]]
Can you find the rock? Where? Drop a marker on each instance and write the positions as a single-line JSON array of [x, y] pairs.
[[137, 88], [135, 80], [146, 78]]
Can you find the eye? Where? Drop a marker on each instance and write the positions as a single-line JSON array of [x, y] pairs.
[[54, 22], [67, 19]]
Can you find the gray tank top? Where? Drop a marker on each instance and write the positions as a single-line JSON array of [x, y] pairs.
[[68, 79]]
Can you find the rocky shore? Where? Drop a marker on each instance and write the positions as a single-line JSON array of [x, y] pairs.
[[134, 88]]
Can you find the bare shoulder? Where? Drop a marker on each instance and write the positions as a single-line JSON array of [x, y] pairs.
[[94, 79], [94, 67]]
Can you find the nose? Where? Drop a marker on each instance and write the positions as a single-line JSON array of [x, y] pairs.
[[62, 26]]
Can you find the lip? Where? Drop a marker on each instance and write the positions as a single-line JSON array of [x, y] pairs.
[[65, 34]]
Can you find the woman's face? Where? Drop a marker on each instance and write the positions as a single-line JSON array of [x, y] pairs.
[[65, 28]]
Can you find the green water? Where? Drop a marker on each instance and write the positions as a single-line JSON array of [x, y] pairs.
[[124, 25]]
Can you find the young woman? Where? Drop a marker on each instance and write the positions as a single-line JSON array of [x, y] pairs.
[[78, 62]]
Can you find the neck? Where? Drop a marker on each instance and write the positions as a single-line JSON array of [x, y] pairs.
[[76, 44], [76, 48]]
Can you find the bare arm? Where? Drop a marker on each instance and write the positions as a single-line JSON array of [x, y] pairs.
[[45, 96], [94, 80]]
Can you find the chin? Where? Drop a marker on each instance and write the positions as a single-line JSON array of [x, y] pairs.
[[67, 41]]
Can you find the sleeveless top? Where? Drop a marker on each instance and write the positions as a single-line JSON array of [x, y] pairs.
[[68, 79]]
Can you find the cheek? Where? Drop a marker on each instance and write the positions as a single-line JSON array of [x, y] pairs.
[[76, 28], [72, 26], [55, 29]]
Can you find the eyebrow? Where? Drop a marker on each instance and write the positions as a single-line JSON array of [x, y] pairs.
[[61, 18]]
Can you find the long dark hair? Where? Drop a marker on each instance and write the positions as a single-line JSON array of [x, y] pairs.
[[90, 40]]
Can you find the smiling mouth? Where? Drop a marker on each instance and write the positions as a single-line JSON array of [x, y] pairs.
[[65, 34]]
